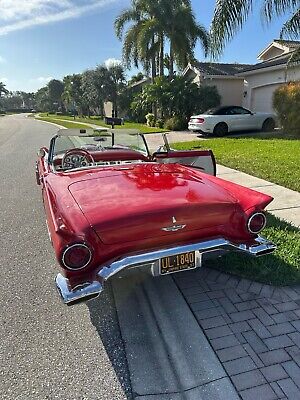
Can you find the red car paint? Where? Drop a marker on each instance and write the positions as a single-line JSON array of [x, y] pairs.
[[121, 210]]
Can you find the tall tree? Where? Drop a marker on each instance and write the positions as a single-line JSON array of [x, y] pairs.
[[183, 32], [72, 94], [42, 99], [153, 24], [55, 91], [230, 16], [91, 97], [114, 85], [136, 47]]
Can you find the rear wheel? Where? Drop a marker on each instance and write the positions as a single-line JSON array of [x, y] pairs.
[[221, 129], [268, 125]]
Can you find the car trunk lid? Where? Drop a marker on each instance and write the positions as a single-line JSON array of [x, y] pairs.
[[151, 200]]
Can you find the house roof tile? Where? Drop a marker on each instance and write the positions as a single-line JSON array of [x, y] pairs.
[[220, 68], [279, 60], [293, 44]]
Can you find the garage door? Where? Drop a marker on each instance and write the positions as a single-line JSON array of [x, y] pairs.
[[261, 99]]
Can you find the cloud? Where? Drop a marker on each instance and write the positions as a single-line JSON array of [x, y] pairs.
[[2, 60], [42, 80], [20, 14], [110, 62]]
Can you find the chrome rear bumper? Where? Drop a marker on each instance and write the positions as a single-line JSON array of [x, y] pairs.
[[88, 290]]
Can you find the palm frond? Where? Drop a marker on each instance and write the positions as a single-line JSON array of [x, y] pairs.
[[202, 34], [130, 51], [149, 29], [125, 17], [275, 8], [292, 27], [229, 17]]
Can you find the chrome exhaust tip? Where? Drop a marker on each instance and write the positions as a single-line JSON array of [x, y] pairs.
[[78, 294]]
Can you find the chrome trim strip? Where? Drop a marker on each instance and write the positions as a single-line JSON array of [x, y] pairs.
[[262, 246], [69, 296], [250, 220], [71, 247]]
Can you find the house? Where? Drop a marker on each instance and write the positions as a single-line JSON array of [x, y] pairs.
[[137, 87], [250, 86], [263, 78], [223, 76]]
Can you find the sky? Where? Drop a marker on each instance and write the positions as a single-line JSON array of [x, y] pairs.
[[45, 39]]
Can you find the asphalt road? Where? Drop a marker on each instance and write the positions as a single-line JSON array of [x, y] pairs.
[[47, 350]]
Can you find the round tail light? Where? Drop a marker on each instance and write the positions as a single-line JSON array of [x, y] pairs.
[[257, 222], [76, 257]]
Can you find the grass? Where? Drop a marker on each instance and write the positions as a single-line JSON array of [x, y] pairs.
[[95, 120], [274, 157], [279, 268], [65, 124]]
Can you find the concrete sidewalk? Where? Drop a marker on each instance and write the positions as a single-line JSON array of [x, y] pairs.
[[286, 204]]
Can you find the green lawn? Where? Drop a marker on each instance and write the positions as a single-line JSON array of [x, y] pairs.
[[98, 121], [280, 268], [65, 124], [274, 157]]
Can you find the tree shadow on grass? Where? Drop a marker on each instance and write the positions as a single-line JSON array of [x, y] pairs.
[[104, 318], [281, 268]]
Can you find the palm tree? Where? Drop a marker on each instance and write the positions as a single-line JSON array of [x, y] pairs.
[[154, 22], [183, 32], [139, 41], [230, 16]]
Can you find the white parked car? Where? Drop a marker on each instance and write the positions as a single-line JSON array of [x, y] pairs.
[[222, 120]]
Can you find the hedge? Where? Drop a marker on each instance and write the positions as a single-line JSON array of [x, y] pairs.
[[286, 102]]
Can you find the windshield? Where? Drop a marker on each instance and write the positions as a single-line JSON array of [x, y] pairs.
[[211, 111], [99, 142], [74, 149]]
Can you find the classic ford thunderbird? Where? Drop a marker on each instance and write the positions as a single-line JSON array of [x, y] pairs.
[[114, 206]]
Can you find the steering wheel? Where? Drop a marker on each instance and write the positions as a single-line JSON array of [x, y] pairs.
[[76, 158]]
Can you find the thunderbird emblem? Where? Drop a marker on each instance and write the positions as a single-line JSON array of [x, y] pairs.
[[174, 228]]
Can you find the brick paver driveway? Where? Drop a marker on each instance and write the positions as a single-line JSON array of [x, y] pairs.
[[253, 328]]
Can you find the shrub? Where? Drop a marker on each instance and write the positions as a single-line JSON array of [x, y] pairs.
[[150, 118], [286, 102], [159, 123], [175, 96], [176, 124]]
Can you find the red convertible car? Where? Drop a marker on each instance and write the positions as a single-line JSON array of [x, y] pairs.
[[113, 205]]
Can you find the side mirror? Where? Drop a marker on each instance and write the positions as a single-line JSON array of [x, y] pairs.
[[41, 153]]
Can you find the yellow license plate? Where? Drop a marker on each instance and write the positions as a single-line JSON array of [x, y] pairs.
[[177, 263]]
